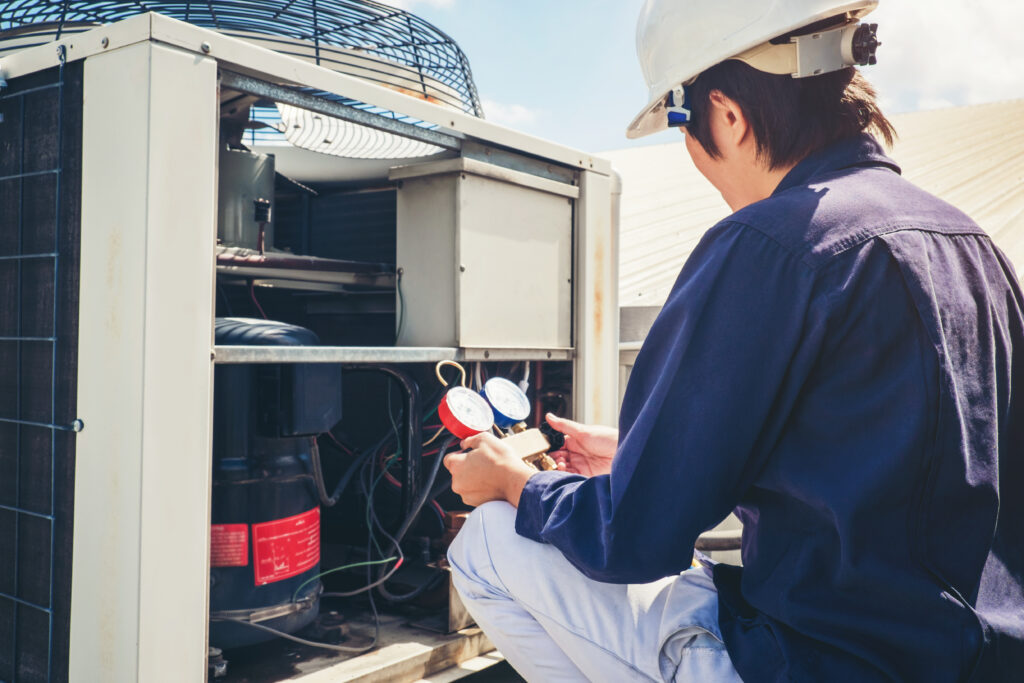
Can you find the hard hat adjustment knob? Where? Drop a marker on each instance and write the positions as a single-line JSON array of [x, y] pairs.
[[865, 44]]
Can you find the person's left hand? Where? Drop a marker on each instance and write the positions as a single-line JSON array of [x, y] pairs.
[[486, 470]]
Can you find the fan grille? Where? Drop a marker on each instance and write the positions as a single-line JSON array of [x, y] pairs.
[[359, 37]]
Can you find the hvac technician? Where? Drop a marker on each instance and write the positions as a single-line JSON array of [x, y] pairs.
[[841, 361]]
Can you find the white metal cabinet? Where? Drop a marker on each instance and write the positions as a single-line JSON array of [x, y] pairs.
[[485, 256]]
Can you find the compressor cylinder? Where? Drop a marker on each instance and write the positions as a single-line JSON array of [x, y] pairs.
[[265, 514]]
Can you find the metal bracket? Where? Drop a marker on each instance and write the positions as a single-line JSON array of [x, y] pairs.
[[819, 53], [827, 51], [319, 105]]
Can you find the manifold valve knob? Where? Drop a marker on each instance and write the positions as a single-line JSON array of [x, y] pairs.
[[865, 44]]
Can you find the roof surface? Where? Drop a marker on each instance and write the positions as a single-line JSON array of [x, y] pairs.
[[973, 157]]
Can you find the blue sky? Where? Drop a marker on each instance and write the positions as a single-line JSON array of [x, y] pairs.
[[566, 70]]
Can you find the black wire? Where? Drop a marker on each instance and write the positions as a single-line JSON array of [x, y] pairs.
[[227, 302], [360, 465], [318, 478], [413, 514], [425, 494], [440, 487], [356, 465], [367, 490], [369, 570]]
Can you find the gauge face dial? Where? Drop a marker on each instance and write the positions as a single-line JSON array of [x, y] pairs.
[[465, 412], [509, 402]]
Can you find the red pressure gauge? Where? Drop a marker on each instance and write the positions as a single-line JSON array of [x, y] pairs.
[[465, 413]]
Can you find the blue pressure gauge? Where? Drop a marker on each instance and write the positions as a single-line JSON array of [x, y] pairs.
[[509, 403]]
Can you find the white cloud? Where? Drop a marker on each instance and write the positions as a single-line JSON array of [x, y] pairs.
[[948, 52], [511, 115]]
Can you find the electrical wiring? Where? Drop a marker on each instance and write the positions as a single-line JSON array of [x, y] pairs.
[[439, 510], [434, 437], [318, 476], [368, 587], [369, 579], [396, 540], [417, 506], [252, 295], [364, 466], [302, 641], [440, 430], [227, 302], [401, 304], [341, 447], [391, 480], [392, 456], [440, 487], [354, 565], [355, 466], [369, 484], [367, 490]]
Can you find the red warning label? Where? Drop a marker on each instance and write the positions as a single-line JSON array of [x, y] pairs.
[[229, 545], [285, 547]]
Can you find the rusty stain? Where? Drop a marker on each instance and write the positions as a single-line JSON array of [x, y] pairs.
[[598, 290], [599, 285]]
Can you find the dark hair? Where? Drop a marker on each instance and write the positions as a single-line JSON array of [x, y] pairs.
[[790, 117]]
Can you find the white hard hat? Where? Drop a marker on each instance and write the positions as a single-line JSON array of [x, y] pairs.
[[678, 39]]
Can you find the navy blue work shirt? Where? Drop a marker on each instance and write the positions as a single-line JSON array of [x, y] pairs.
[[842, 364]]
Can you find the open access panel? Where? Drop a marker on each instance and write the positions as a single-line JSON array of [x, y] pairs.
[[243, 374]]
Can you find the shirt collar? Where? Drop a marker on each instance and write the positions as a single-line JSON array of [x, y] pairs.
[[859, 150]]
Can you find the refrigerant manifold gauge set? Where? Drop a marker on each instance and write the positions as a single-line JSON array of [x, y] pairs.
[[499, 405]]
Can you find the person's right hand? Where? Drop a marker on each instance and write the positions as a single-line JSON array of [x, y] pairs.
[[588, 449]]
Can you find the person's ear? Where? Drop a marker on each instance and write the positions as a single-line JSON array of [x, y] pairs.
[[729, 124]]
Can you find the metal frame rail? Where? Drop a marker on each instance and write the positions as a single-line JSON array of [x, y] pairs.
[[339, 110]]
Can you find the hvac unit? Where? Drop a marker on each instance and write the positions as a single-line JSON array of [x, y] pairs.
[[242, 244]]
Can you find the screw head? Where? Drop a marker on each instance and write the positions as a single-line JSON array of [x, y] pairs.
[[104, 42], [205, 47]]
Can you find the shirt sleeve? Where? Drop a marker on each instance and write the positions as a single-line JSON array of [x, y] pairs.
[[709, 392]]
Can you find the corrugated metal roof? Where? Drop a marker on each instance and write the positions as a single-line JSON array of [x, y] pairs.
[[973, 157]]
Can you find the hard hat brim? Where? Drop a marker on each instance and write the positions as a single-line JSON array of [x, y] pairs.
[[653, 119]]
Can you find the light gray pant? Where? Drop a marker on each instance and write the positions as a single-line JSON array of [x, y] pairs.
[[554, 624]]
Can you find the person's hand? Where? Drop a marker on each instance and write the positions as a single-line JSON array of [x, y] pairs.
[[588, 449], [486, 470]]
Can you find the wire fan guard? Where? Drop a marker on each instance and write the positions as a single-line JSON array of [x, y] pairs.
[[361, 38]]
